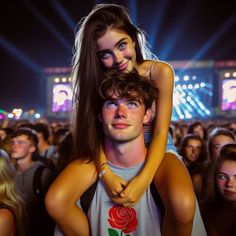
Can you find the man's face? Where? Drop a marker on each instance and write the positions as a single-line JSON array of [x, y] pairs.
[[198, 130], [226, 180], [193, 149], [21, 147], [123, 119]]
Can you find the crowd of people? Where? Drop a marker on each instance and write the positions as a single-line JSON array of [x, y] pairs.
[[122, 166], [207, 149]]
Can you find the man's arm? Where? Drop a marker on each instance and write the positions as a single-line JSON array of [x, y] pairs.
[[63, 194]]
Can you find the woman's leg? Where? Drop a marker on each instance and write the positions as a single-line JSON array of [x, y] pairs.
[[175, 187]]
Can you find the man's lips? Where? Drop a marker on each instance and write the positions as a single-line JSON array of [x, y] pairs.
[[120, 125]]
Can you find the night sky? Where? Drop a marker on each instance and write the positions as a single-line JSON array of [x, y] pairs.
[[39, 34]]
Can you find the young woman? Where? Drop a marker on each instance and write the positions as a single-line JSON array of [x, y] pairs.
[[219, 212], [11, 206], [216, 139], [107, 39]]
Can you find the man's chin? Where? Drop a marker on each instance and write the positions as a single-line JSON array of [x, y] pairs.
[[16, 157]]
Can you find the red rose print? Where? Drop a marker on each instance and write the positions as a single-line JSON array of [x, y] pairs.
[[123, 218]]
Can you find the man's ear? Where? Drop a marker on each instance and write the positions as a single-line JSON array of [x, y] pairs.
[[32, 149], [100, 117], [147, 116]]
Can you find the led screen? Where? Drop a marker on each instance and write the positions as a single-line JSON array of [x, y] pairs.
[[228, 101], [62, 98]]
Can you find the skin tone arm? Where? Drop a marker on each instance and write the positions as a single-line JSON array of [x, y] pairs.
[[7, 223], [130, 193], [63, 194]]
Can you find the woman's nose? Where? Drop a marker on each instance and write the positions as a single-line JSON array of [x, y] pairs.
[[118, 57], [231, 182]]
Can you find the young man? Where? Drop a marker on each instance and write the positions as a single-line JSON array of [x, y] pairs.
[[126, 100], [24, 147], [46, 151]]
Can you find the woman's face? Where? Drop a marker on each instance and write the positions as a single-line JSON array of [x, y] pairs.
[[218, 142], [116, 50], [226, 180]]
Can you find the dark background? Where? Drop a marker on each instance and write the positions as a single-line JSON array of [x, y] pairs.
[[39, 34]]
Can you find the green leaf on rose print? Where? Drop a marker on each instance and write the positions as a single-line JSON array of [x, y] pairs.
[[112, 232]]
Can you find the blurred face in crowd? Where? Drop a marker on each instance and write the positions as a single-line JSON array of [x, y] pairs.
[[218, 142], [193, 149], [22, 147], [198, 130], [226, 180], [2, 134]]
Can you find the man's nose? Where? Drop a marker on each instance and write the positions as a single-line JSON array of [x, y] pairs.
[[121, 111]]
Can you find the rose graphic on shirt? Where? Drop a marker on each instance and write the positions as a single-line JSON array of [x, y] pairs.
[[123, 218]]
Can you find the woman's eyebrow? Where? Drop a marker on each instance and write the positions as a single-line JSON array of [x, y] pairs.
[[116, 44]]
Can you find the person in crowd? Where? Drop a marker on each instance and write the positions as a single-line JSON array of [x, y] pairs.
[[32, 179], [216, 139], [220, 210], [65, 151], [198, 129], [126, 99], [47, 151], [107, 39], [12, 212], [59, 135], [193, 151], [5, 132]]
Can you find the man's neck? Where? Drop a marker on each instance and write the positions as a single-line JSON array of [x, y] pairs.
[[126, 154], [23, 164], [43, 146]]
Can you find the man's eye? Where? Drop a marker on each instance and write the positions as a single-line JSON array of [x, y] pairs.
[[132, 104], [110, 104], [122, 45]]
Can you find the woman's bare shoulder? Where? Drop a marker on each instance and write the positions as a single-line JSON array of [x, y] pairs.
[[157, 69], [161, 67]]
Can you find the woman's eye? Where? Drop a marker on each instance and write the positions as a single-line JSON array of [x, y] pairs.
[[221, 176], [122, 45], [104, 55]]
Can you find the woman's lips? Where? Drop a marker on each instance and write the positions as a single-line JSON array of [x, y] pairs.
[[123, 66]]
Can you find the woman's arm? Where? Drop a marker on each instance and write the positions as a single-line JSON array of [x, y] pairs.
[[163, 76], [63, 194], [7, 223], [113, 183]]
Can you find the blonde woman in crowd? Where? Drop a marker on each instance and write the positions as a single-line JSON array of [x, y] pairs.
[[12, 218]]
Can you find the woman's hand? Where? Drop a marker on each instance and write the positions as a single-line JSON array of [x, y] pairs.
[[134, 191], [114, 184]]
